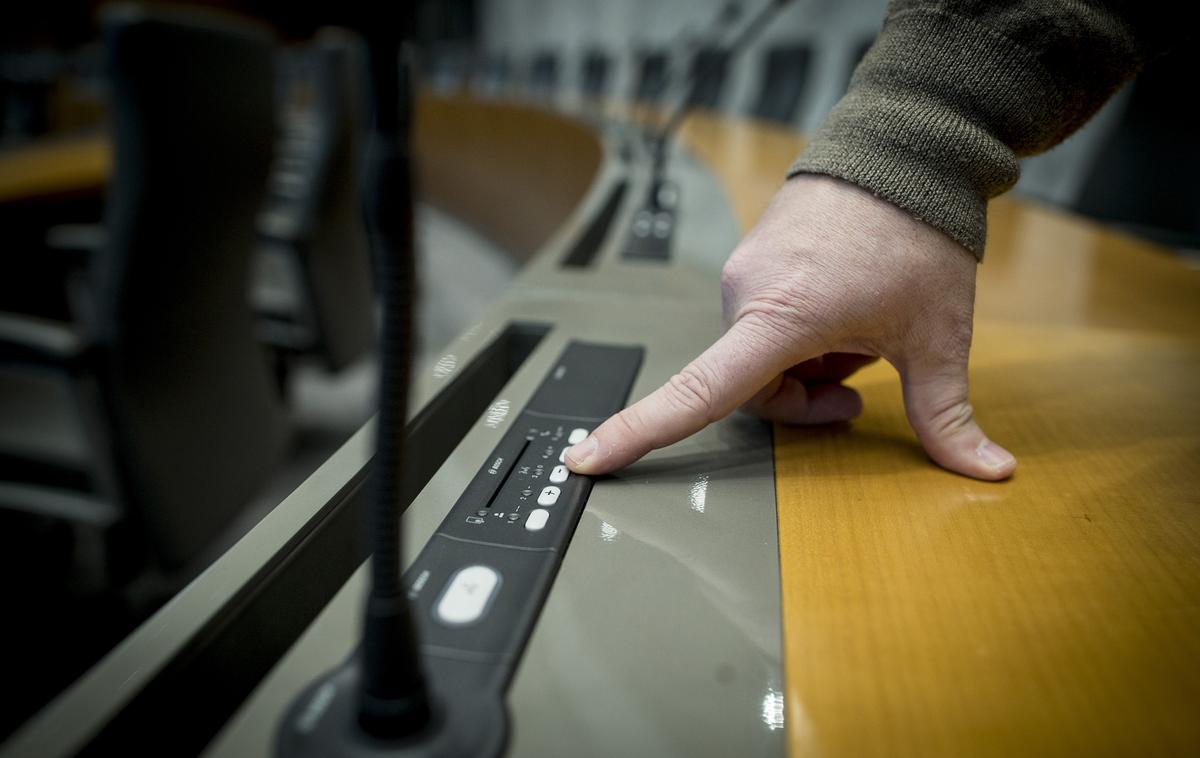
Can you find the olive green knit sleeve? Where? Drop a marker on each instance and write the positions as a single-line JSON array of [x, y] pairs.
[[953, 93]]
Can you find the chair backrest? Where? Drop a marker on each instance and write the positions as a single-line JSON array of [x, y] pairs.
[[491, 76], [858, 50], [334, 256], [785, 74], [707, 73], [1143, 175], [594, 79], [196, 420], [543, 74], [651, 81]]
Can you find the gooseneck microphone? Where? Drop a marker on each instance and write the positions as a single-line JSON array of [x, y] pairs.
[[378, 702], [654, 222], [706, 71], [441, 642], [393, 701], [688, 44]]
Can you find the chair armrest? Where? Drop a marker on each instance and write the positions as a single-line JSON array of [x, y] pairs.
[[77, 243], [85, 238], [283, 223], [49, 502], [41, 342]]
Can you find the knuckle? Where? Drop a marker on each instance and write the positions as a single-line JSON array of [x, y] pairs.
[[950, 417], [627, 425], [783, 314], [691, 391], [733, 272]]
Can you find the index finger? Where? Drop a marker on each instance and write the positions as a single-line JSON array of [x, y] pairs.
[[720, 380]]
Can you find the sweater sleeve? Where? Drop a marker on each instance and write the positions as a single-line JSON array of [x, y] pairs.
[[953, 93]]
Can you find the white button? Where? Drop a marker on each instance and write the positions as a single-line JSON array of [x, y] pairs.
[[549, 496], [467, 596], [577, 436], [562, 457], [559, 474], [537, 519]]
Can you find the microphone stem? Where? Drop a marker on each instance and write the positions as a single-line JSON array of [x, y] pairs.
[[393, 700], [748, 33]]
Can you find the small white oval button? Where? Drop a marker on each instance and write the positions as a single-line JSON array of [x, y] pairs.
[[537, 519], [467, 595], [577, 436], [549, 496], [558, 474]]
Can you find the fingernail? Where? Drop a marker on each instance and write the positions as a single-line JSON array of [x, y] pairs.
[[993, 456], [577, 454]]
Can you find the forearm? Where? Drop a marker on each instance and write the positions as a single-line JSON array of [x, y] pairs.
[[953, 93]]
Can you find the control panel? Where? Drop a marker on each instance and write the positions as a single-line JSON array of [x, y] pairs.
[[478, 585]]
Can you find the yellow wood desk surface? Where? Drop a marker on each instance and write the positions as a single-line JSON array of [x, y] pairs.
[[926, 614], [62, 165]]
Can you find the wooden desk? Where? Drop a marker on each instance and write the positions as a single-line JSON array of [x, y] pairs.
[[1054, 614], [513, 172], [59, 166]]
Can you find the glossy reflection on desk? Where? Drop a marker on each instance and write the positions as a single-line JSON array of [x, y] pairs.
[[1054, 614]]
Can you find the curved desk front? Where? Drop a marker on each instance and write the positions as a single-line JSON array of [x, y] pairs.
[[917, 612]]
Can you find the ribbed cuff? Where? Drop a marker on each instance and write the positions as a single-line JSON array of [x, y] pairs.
[[929, 118]]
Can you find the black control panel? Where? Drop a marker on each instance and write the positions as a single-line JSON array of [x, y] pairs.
[[478, 585]]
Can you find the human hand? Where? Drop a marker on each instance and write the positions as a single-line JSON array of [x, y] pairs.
[[829, 278]]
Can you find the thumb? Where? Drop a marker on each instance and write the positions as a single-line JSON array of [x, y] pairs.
[[935, 397]]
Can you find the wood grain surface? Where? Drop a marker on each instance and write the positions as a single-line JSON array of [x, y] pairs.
[[512, 171], [55, 166], [1058, 613]]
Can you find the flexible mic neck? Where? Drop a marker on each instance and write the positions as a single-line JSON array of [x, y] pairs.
[[393, 697], [700, 76], [687, 44]]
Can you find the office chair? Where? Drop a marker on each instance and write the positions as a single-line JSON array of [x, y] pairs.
[[707, 88], [445, 66], [543, 75], [1143, 177], [858, 51], [594, 79], [490, 75], [313, 293], [785, 72], [174, 393], [651, 80]]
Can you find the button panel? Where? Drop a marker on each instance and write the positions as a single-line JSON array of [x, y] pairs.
[[515, 519]]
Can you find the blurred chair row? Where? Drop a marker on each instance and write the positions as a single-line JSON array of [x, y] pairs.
[[783, 79], [170, 353], [1131, 167]]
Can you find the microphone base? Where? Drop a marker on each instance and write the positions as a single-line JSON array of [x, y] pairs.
[[652, 233], [324, 723]]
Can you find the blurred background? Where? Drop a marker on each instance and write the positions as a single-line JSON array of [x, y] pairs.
[[186, 300]]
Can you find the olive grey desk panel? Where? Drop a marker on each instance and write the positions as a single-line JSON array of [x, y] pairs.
[[613, 619], [661, 635]]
